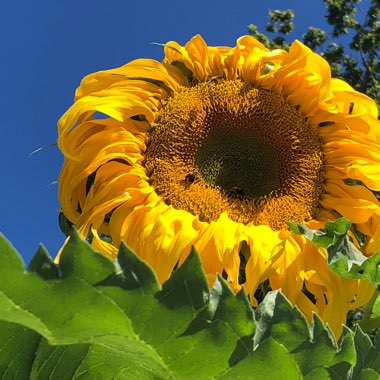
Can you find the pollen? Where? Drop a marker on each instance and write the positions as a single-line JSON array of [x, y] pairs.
[[228, 146]]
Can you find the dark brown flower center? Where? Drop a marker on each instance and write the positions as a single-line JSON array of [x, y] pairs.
[[232, 147]]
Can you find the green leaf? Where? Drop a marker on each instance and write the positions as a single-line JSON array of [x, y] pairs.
[[348, 262], [187, 285], [371, 319], [116, 321], [9, 257], [18, 345], [43, 265], [316, 354], [367, 355], [275, 316], [58, 362], [78, 259], [131, 269], [114, 357], [58, 305], [345, 358], [314, 37], [323, 351], [271, 360], [340, 227], [368, 374]]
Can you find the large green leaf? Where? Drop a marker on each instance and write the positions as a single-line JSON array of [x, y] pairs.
[[18, 346], [94, 318]]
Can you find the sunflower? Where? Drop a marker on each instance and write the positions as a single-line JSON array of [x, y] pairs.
[[219, 148]]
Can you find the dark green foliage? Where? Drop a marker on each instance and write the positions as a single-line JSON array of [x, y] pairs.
[[112, 320], [43, 264], [64, 224], [354, 48], [314, 37], [280, 22], [341, 15]]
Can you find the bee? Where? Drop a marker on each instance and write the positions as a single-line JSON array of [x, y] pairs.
[[216, 79], [190, 178], [236, 192]]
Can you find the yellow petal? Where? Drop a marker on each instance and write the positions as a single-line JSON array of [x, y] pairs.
[[100, 245], [266, 247], [367, 171], [219, 244], [167, 239], [248, 44], [356, 210], [288, 275], [373, 244]]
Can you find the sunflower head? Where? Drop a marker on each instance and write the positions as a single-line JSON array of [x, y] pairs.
[[219, 148]]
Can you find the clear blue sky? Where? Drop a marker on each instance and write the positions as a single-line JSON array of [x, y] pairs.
[[48, 46]]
